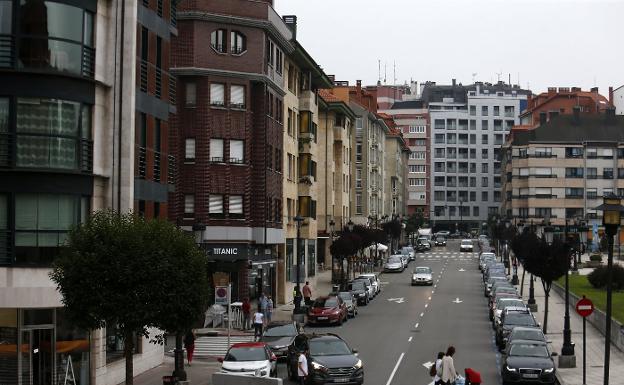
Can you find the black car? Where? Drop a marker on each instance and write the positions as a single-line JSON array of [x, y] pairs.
[[279, 335], [358, 289], [524, 333], [330, 360], [528, 361], [509, 320], [440, 241]]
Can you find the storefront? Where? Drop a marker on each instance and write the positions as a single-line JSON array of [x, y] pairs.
[[51, 351]]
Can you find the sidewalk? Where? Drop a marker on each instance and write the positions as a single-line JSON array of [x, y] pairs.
[[200, 373], [595, 340], [323, 287]]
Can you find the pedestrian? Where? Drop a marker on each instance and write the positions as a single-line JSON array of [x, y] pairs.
[[437, 379], [297, 297], [302, 367], [258, 319], [449, 374], [246, 314], [262, 302], [269, 311], [189, 345], [307, 293]]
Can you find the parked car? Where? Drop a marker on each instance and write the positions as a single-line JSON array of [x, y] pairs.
[[501, 303], [490, 281], [422, 275], [358, 289], [409, 251], [350, 301], [278, 335], [253, 359], [370, 289], [330, 360], [528, 361], [328, 309], [394, 264], [420, 247], [374, 280], [511, 318], [443, 233], [466, 245], [440, 241], [523, 333]]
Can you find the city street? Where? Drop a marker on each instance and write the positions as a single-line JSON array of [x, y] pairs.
[[405, 326]]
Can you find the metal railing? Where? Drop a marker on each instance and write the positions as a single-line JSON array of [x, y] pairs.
[[142, 162], [158, 89], [172, 89], [7, 51], [157, 166], [143, 76], [88, 62], [6, 252], [171, 171], [86, 155]]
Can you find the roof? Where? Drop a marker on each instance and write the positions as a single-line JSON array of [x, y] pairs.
[[335, 102], [328, 96], [545, 98], [248, 345], [565, 129], [305, 61], [408, 104]]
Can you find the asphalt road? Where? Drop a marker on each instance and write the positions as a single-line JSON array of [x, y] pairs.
[[404, 326]]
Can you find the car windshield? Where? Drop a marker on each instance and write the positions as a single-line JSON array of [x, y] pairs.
[[359, 285], [346, 296], [519, 319], [422, 270], [328, 347], [441, 238], [528, 335], [281, 331], [326, 302], [394, 260], [246, 354], [466, 242], [503, 304], [528, 350]]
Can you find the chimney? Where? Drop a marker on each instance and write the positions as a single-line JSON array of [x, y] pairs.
[[552, 90], [358, 86], [594, 89], [576, 113], [611, 96], [454, 81], [543, 117], [576, 89], [291, 22], [332, 78], [552, 114]]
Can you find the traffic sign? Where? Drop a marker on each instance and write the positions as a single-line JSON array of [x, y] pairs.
[[584, 307]]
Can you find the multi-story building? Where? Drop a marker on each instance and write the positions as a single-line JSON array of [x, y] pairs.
[[83, 126], [396, 154], [561, 101], [561, 170], [469, 124], [616, 97], [334, 169]]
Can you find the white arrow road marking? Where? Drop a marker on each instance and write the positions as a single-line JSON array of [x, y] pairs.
[[461, 269], [409, 339], [430, 297], [400, 300], [397, 300], [428, 364], [457, 300], [395, 369]]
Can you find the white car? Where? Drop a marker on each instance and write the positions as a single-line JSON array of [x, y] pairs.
[[466, 245], [394, 264], [375, 280], [253, 359], [425, 241], [422, 276]]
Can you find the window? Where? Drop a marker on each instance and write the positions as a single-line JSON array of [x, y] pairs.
[[439, 139], [421, 142], [416, 168], [237, 151], [592, 153], [496, 111], [238, 43], [592, 173], [279, 61], [358, 152], [358, 203], [620, 171], [473, 110], [484, 139], [5, 17], [484, 153], [574, 152], [189, 149], [358, 178], [574, 192], [416, 129], [543, 212], [291, 167], [189, 204], [607, 173], [574, 172], [217, 94], [217, 40], [484, 181], [48, 133], [509, 111], [307, 207], [216, 150], [439, 124], [215, 204], [543, 152], [484, 110], [237, 96], [190, 95], [484, 196], [235, 205], [592, 193], [484, 125], [544, 172], [484, 168], [270, 59]]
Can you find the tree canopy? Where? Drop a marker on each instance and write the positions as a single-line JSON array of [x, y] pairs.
[[125, 272]]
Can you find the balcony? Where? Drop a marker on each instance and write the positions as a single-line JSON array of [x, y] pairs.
[[163, 81], [157, 166], [307, 101], [142, 162], [374, 189], [306, 142], [171, 169]]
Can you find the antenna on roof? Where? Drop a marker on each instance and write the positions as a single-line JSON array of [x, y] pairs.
[[474, 75], [379, 71], [394, 73], [499, 74], [385, 72]]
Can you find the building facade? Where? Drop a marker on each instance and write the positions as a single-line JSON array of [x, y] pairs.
[[561, 101], [617, 100], [77, 111], [466, 136], [560, 170], [396, 155]]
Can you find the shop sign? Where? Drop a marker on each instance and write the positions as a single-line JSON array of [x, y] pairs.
[[227, 252]]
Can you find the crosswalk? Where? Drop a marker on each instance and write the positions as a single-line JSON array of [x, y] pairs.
[[217, 346], [447, 255]]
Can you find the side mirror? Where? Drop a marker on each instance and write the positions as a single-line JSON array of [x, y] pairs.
[[354, 351], [554, 354], [220, 359]]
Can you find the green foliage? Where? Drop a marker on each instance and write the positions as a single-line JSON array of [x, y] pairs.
[[548, 262], [365, 234], [523, 245], [346, 245], [414, 222], [598, 277], [122, 270], [595, 257], [393, 228], [603, 245]]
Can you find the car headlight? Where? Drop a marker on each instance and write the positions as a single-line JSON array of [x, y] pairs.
[[280, 347], [549, 370], [361, 294], [510, 369], [319, 367], [358, 364]]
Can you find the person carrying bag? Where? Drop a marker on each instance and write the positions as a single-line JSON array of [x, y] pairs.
[[449, 374]]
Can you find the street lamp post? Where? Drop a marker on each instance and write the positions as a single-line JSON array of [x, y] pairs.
[[611, 211], [531, 302], [376, 244], [350, 225], [332, 226], [298, 296], [567, 359]]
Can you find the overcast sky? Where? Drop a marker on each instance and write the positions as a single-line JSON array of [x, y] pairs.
[[546, 43]]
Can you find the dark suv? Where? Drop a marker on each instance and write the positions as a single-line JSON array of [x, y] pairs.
[[511, 318], [330, 360]]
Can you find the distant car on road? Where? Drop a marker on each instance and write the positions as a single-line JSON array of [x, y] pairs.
[[443, 233], [466, 245], [328, 309], [526, 362], [394, 264], [253, 359], [374, 280], [422, 275], [424, 241], [440, 241], [409, 251]]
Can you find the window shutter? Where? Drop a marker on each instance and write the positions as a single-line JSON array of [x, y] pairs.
[[237, 96], [216, 150], [215, 204], [524, 191], [236, 204], [189, 204], [237, 151], [190, 149], [217, 94]]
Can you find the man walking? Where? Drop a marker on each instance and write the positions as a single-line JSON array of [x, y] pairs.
[[246, 314], [263, 302], [307, 294], [302, 367]]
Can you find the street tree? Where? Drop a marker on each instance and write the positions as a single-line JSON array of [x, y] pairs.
[[393, 229], [520, 247], [549, 262], [414, 222], [342, 249], [123, 272]]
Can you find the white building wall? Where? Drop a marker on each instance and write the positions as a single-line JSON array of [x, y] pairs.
[[618, 100]]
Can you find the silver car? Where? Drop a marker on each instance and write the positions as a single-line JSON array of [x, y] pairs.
[[394, 264], [422, 276], [374, 280], [466, 245]]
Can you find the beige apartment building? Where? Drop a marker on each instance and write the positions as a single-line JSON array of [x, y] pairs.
[[561, 170], [395, 166]]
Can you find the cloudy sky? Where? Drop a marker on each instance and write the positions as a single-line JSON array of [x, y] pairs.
[[543, 43]]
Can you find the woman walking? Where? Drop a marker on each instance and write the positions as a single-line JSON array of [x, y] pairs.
[[189, 345], [449, 374], [258, 321], [269, 309]]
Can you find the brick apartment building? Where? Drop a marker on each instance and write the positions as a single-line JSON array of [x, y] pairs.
[[561, 101]]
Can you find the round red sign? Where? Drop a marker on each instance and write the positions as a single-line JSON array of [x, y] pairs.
[[584, 307]]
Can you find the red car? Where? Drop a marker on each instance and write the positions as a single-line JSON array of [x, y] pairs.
[[328, 309]]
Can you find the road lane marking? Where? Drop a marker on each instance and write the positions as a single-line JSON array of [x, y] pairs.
[[430, 297], [422, 314], [395, 369], [416, 326], [409, 339], [457, 300], [426, 305]]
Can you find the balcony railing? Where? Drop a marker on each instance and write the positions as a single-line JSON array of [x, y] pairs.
[[158, 90], [171, 169], [157, 166], [86, 155], [5, 247], [143, 76], [7, 51], [142, 162]]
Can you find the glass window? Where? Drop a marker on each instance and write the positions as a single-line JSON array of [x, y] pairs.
[[217, 40], [191, 94], [237, 151], [216, 150], [189, 152], [216, 204], [235, 204], [238, 42], [71, 343], [217, 94], [5, 17], [189, 204], [237, 96]]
